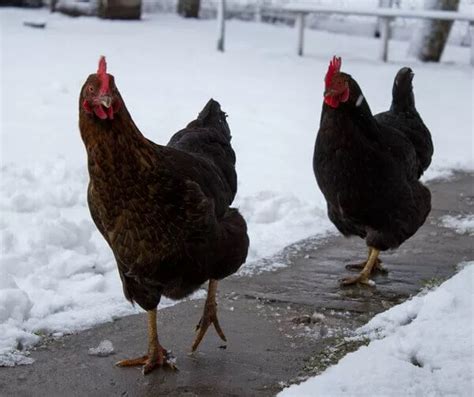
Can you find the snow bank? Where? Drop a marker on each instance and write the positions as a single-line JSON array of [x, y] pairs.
[[57, 274], [422, 347]]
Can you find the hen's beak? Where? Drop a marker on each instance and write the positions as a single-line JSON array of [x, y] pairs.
[[329, 92], [105, 100]]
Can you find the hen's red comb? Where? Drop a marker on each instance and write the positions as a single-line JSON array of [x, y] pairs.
[[103, 76], [102, 66], [334, 67]]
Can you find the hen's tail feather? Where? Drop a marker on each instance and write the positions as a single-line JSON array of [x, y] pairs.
[[403, 98], [212, 115]]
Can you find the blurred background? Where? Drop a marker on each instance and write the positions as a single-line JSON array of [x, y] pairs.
[[267, 11]]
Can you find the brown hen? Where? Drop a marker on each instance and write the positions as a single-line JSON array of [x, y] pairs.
[[163, 210]]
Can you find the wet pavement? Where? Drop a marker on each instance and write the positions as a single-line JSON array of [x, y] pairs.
[[281, 326]]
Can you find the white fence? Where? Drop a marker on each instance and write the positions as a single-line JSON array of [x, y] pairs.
[[384, 14]]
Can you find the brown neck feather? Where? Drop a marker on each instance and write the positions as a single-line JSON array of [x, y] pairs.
[[115, 145]]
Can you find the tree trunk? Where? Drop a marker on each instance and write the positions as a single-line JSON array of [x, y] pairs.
[[119, 9], [189, 8], [430, 38]]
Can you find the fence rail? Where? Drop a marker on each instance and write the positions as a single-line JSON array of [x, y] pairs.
[[385, 15]]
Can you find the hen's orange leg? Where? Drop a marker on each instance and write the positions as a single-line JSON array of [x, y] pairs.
[[209, 316], [363, 277], [157, 356], [360, 266]]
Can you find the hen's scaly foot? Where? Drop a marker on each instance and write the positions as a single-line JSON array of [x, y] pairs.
[[150, 361], [359, 266], [208, 317], [132, 362], [363, 276], [359, 279], [157, 356]]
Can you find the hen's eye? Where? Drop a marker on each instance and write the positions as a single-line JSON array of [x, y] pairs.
[[90, 88]]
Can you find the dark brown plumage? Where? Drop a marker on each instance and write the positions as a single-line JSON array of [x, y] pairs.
[[164, 210], [368, 167]]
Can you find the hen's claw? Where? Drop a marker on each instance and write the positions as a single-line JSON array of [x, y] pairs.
[[157, 356], [359, 279], [132, 362], [149, 362], [208, 317], [368, 269], [359, 266]]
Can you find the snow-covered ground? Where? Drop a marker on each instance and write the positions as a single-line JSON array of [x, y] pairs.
[[422, 347], [57, 275]]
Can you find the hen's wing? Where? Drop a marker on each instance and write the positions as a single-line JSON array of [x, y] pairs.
[[95, 213]]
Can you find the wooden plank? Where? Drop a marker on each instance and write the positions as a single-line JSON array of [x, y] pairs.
[[380, 12]]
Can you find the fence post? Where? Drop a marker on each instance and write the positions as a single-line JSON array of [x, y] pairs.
[[382, 4], [384, 36], [221, 25], [471, 28], [300, 22], [258, 11]]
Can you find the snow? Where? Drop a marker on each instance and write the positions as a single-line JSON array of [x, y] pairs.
[[10, 359], [105, 349], [423, 347], [460, 224], [57, 274]]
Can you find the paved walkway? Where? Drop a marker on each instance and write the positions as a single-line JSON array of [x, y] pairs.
[[281, 326]]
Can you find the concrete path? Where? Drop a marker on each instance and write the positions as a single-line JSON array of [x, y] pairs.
[[282, 326]]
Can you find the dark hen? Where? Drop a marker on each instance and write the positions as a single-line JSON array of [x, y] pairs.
[[368, 167], [164, 210]]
